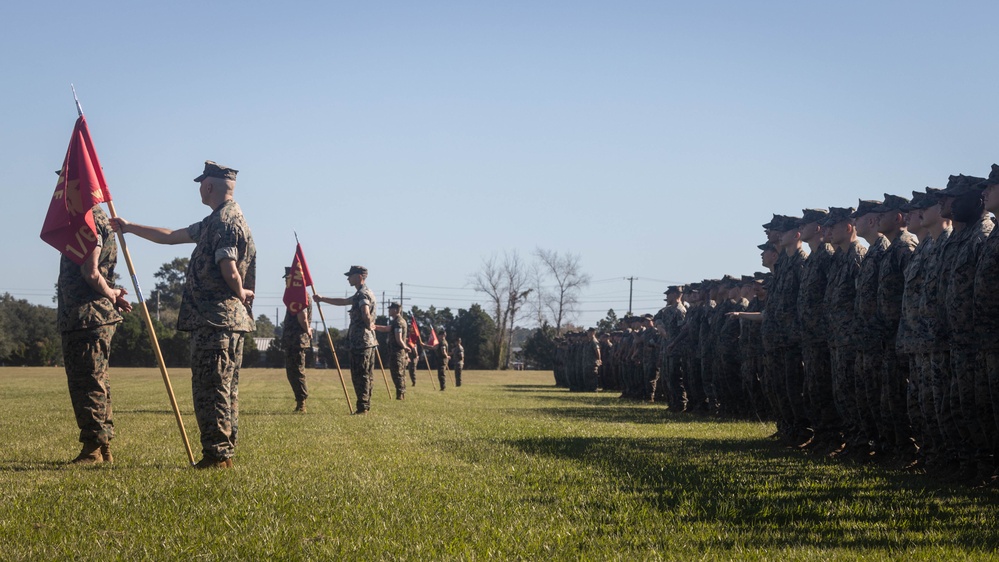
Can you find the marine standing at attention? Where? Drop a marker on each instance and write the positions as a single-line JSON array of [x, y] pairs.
[[216, 307], [87, 317], [360, 334]]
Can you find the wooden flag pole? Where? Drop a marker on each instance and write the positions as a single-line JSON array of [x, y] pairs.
[[329, 338], [152, 338], [149, 319], [382, 367], [426, 360]]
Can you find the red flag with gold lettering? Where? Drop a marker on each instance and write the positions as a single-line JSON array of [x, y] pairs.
[[414, 332], [69, 223], [295, 296]]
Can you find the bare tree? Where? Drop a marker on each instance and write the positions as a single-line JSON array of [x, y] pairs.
[[569, 279], [506, 286]]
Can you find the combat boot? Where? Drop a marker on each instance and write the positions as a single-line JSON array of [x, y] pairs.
[[300, 407], [106, 453], [208, 462], [90, 454]]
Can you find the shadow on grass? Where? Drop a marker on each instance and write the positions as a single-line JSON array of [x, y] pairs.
[[774, 498]]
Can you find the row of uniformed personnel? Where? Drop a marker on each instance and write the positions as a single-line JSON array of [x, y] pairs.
[[888, 351]]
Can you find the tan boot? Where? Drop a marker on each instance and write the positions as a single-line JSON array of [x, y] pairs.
[[90, 454], [208, 462], [300, 407], [106, 452]]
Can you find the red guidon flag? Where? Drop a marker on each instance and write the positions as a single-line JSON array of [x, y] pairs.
[[414, 332], [432, 342], [69, 224], [295, 296]]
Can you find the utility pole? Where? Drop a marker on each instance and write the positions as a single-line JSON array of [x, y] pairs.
[[276, 317], [631, 285], [383, 303], [400, 294], [157, 305]]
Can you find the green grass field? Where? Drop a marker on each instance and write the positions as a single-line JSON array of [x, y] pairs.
[[506, 467]]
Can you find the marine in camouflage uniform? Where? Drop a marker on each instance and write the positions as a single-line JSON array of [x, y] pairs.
[[962, 202], [668, 323], [87, 314], [728, 385], [751, 352], [896, 427], [819, 404], [590, 361], [908, 342], [398, 348], [360, 334], [442, 357], [839, 302], [649, 354], [783, 301], [458, 360], [934, 342], [215, 307], [986, 315], [690, 348], [296, 334], [867, 323]]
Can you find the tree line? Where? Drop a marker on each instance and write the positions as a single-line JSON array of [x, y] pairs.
[[545, 290]]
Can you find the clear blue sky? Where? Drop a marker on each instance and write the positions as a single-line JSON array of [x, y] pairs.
[[418, 138]]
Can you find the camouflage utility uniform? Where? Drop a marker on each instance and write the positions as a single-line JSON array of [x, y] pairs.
[[398, 356], [218, 322], [361, 338], [87, 322], [296, 344]]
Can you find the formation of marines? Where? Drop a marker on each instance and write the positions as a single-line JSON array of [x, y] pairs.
[[885, 351]]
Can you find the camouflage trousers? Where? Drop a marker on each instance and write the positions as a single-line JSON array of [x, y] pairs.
[[216, 357], [294, 366], [789, 383], [770, 372], [412, 369], [650, 378], [966, 405], [673, 387], [820, 406], [846, 393], [928, 386], [397, 361], [459, 366], [441, 376], [749, 377], [727, 383], [590, 377], [868, 377], [895, 426], [948, 418], [362, 363], [989, 377], [85, 353]]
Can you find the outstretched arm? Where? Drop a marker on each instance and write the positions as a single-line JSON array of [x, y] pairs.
[[152, 233]]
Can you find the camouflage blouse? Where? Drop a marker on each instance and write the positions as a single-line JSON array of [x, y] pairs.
[[841, 294], [292, 334], [987, 295], [359, 333], [398, 325], [960, 273], [207, 301], [812, 293], [79, 307]]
